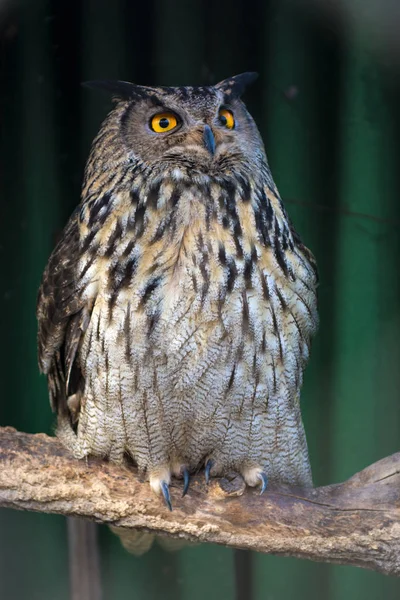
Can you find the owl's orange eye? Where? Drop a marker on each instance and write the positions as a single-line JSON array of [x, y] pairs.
[[226, 118], [163, 122]]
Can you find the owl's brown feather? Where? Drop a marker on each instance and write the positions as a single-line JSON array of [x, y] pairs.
[[63, 316], [175, 316]]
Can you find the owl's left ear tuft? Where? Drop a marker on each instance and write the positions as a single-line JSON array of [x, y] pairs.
[[119, 89], [235, 86]]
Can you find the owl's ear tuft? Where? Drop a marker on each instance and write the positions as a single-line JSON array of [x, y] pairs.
[[120, 89], [235, 86]]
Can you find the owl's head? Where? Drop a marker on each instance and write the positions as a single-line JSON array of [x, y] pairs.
[[205, 130]]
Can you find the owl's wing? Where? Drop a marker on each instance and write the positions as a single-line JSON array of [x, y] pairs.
[[63, 316]]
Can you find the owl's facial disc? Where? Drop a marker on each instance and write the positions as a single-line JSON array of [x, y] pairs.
[[194, 130], [168, 121]]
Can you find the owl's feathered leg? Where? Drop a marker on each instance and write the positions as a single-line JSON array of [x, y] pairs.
[[69, 438]]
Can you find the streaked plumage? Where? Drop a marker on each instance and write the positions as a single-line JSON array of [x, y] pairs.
[[176, 313]]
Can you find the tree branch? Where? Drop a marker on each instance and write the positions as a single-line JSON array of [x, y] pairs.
[[356, 522]]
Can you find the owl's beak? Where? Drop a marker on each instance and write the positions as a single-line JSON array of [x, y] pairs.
[[209, 140]]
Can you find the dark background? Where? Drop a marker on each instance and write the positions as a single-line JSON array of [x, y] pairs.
[[327, 103]]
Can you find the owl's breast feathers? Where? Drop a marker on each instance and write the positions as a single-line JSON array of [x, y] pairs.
[[212, 240], [218, 250]]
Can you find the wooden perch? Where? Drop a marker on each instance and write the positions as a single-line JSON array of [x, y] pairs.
[[355, 523]]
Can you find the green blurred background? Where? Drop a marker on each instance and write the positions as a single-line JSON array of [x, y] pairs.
[[328, 106]]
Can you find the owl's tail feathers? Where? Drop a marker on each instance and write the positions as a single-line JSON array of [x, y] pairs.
[[172, 544], [135, 542], [139, 542]]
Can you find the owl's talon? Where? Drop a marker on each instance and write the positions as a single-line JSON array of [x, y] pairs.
[[165, 492], [186, 481], [264, 481], [207, 470]]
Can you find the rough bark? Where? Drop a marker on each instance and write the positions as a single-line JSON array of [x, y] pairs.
[[356, 522]]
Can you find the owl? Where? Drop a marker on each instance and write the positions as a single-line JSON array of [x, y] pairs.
[[175, 314]]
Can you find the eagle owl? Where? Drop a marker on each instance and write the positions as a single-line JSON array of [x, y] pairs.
[[175, 314]]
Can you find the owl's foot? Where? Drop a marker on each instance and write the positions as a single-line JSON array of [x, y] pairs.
[[207, 470], [254, 476], [186, 481], [181, 471], [159, 483], [165, 493], [160, 480], [264, 481]]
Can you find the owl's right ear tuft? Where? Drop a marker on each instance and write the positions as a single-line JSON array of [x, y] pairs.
[[235, 86], [119, 89]]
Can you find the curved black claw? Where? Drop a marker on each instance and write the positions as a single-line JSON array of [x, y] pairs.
[[264, 482], [186, 481], [165, 492], [207, 470]]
